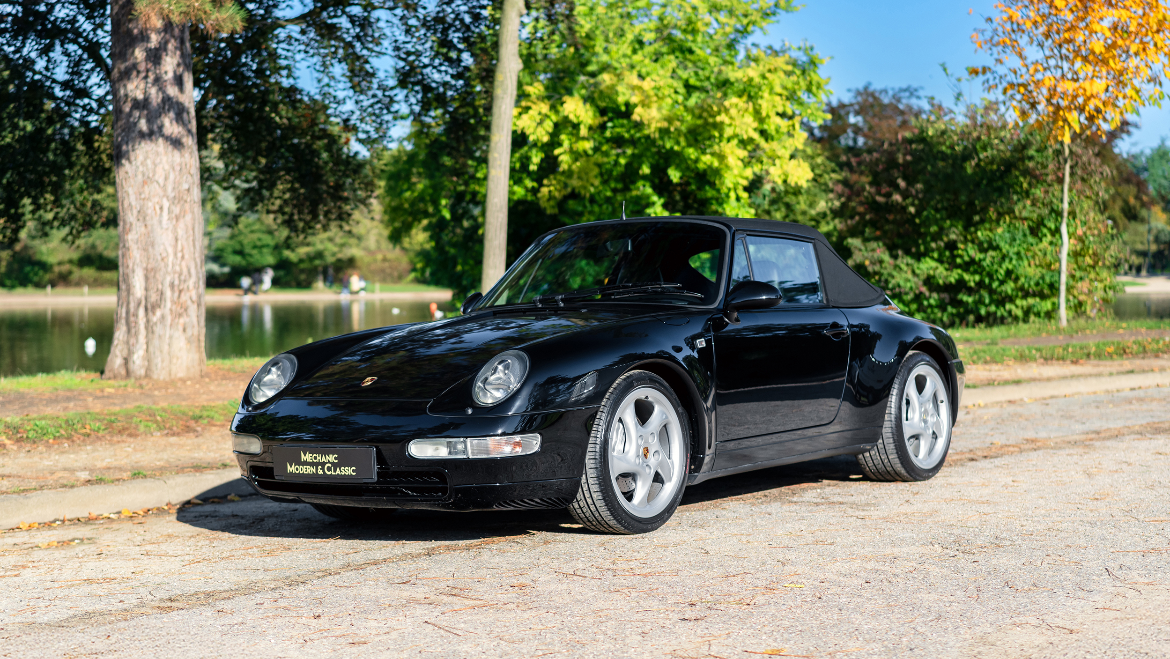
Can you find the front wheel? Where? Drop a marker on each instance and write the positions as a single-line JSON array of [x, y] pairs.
[[917, 431], [638, 458]]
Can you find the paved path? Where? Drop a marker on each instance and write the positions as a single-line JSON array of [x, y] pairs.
[[1047, 534], [1155, 284]]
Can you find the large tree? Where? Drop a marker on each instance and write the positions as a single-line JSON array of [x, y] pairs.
[[495, 223], [159, 323], [1076, 68], [281, 104]]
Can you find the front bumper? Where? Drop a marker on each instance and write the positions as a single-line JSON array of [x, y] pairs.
[[548, 478]]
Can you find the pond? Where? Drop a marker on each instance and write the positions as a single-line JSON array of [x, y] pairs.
[[53, 338]]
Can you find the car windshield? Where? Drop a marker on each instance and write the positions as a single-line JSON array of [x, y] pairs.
[[662, 262]]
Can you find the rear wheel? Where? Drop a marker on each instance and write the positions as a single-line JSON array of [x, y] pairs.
[[353, 513], [917, 431], [638, 457]]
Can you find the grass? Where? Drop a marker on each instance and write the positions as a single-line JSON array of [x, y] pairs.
[[1130, 349], [970, 335], [138, 420], [91, 381]]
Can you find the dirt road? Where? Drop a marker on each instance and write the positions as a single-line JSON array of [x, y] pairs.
[[1047, 534]]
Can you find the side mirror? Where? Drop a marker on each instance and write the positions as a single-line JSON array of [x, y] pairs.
[[751, 295], [469, 303]]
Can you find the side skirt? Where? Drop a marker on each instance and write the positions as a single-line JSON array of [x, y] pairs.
[[804, 457]]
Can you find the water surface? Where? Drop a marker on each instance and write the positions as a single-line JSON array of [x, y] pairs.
[[53, 338]]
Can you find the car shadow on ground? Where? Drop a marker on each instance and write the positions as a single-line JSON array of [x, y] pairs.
[[258, 517]]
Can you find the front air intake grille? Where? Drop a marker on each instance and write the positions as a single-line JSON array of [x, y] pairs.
[[391, 484], [534, 504]]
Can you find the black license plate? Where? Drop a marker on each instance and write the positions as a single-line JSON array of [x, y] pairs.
[[324, 464]]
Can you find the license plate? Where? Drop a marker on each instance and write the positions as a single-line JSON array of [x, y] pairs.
[[324, 464]]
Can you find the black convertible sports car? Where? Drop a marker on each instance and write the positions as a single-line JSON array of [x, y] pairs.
[[614, 364]]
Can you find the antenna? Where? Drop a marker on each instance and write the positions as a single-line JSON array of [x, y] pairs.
[[623, 210]]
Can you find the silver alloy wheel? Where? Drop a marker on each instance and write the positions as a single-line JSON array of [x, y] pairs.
[[926, 423], [646, 452]]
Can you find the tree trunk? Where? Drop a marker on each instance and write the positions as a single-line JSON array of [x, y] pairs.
[[495, 226], [159, 323], [1064, 242]]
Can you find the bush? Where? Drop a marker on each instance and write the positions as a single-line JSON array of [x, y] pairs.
[[958, 219]]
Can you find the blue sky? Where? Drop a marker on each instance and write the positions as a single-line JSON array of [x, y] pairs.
[[898, 44]]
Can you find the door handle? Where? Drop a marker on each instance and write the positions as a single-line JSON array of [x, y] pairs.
[[837, 331]]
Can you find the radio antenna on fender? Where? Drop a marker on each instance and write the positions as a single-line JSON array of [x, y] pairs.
[[623, 210]]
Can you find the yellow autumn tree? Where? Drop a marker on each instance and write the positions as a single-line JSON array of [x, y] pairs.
[[1076, 68]]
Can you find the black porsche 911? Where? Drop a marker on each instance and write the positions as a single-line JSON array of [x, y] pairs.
[[614, 364]]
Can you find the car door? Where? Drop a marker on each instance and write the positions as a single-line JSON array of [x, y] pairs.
[[780, 369]]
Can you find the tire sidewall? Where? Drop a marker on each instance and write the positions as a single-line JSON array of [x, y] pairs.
[[912, 361], [601, 435]]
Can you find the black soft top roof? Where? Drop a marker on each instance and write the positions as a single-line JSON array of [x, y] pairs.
[[843, 286]]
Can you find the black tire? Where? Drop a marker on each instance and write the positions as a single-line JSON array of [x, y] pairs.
[[353, 513], [596, 505], [891, 459]]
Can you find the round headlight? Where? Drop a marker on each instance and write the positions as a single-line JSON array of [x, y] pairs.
[[272, 377], [500, 377]]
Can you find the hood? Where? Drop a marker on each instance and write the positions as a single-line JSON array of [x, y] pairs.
[[423, 361]]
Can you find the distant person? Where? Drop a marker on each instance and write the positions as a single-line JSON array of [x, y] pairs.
[[259, 282], [265, 276], [354, 284]]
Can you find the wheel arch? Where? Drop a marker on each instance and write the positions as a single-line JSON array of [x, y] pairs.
[[940, 357], [688, 394]]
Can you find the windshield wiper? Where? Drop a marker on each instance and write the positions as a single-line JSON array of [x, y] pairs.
[[616, 290]]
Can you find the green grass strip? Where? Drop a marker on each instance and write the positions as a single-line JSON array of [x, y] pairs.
[[91, 381], [1042, 329], [139, 420], [998, 354]]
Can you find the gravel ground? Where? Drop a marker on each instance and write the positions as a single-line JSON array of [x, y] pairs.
[[1052, 542]]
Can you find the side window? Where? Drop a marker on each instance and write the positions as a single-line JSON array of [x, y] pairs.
[[789, 265], [739, 264]]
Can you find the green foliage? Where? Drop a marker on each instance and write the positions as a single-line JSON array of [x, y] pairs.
[[284, 102], [43, 255], [257, 241], [663, 104], [1154, 167], [957, 219], [54, 170], [432, 183]]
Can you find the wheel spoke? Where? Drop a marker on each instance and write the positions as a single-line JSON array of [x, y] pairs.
[[665, 468], [622, 463], [657, 420], [641, 490], [633, 426], [926, 398], [925, 443]]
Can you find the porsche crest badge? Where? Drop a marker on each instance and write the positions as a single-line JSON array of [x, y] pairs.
[[368, 381]]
